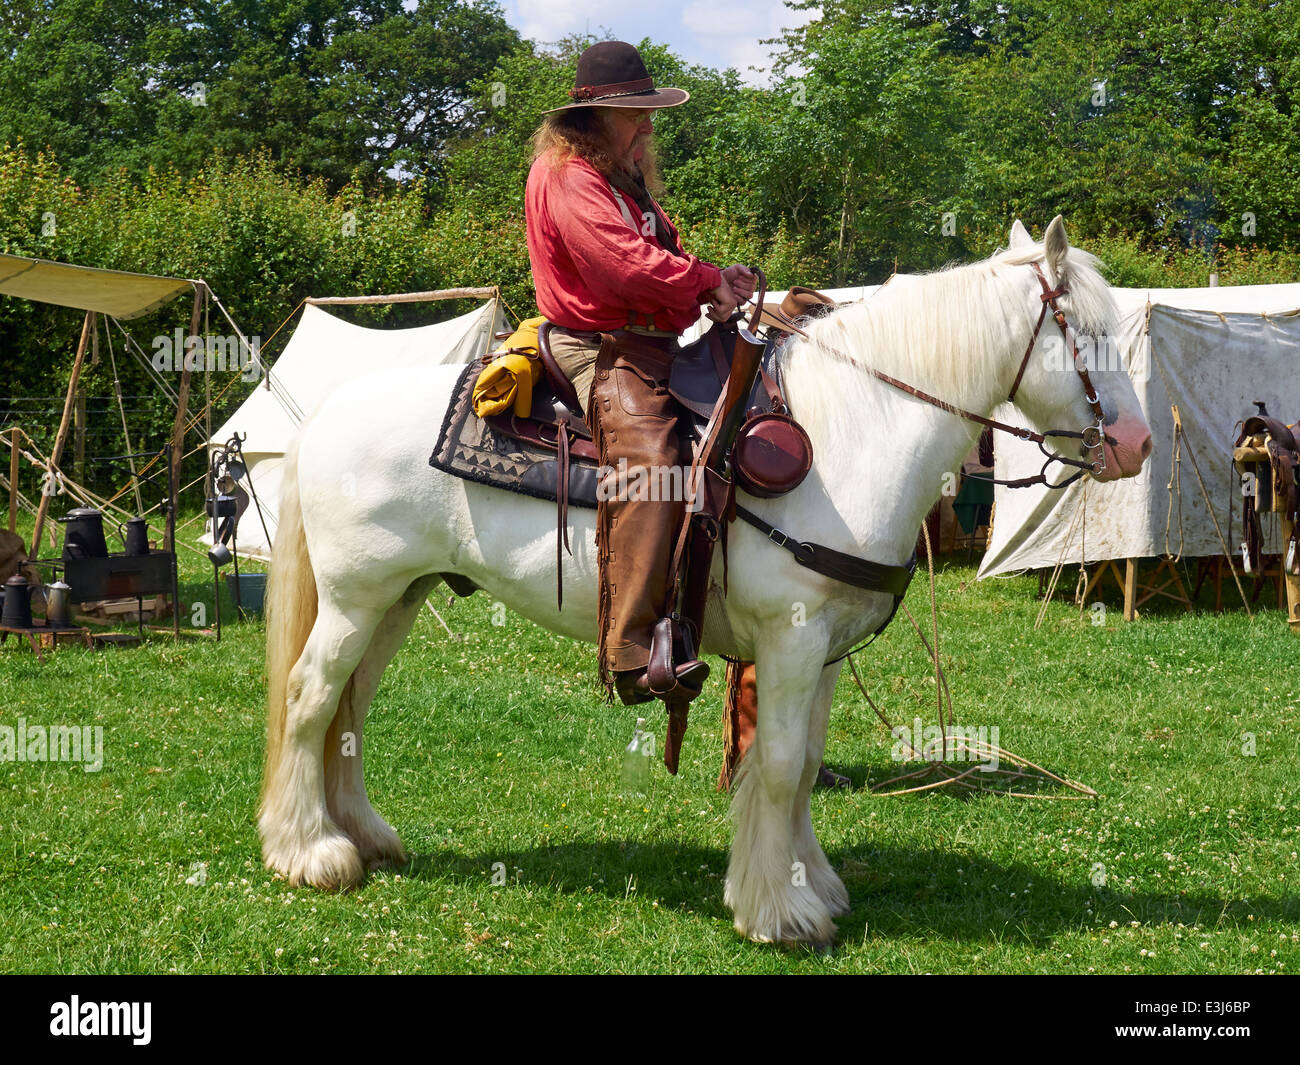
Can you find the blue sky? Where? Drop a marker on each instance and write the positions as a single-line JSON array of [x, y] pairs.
[[718, 33]]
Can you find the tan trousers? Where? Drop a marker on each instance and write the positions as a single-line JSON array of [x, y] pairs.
[[633, 419], [576, 358]]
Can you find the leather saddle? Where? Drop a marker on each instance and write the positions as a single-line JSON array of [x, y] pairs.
[[1267, 449], [698, 375]]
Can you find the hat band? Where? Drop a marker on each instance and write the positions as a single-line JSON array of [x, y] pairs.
[[617, 88]]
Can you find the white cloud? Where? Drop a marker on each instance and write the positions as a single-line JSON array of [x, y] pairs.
[[725, 33], [714, 33], [549, 20]]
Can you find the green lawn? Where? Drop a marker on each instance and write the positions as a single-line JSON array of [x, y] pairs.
[[495, 748]]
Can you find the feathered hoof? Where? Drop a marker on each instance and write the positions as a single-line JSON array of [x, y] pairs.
[[834, 895], [381, 847], [820, 939], [794, 920], [331, 863]]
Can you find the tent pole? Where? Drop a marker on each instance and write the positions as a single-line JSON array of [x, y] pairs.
[[1130, 589], [13, 480], [406, 297], [178, 450], [59, 439]]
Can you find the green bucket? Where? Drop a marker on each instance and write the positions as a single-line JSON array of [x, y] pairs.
[[251, 594]]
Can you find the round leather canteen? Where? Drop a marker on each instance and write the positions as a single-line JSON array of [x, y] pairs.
[[772, 456]]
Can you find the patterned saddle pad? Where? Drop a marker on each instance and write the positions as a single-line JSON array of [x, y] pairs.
[[469, 447]]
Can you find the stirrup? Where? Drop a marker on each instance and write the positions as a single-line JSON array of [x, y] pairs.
[[633, 686]]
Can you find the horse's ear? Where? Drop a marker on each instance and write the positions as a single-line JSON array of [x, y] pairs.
[[1055, 246], [1019, 235]]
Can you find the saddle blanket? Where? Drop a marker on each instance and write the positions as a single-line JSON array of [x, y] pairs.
[[469, 447]]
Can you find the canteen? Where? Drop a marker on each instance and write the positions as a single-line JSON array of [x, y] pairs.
[[772, 455]]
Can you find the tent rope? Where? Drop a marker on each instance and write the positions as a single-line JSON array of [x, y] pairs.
[[1175, 484], [1191, 453], [1060, 560]]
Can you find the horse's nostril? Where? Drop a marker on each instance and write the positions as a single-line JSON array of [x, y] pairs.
[[1146, 447]]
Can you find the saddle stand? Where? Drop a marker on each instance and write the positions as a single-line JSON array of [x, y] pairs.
[[1267, 452]]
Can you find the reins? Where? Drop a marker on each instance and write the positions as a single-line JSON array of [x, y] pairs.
[[861, 573], [1093, 437]]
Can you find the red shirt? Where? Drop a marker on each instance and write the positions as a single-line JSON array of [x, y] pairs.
[[592, 270]]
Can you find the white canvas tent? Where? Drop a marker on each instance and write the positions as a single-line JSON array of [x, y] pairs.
[[1210, 351], [324, 354], [839, 295]]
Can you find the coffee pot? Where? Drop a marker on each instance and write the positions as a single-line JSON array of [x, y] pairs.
[[17, 612], [84, 537], [136, 536], [56, 604]]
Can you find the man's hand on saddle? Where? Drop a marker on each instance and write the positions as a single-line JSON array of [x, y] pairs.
[[742, 281], [737, 286]]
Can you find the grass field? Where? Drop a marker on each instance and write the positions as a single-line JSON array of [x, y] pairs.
[[493, 753]]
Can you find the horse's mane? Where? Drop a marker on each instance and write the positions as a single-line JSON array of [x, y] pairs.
[[950, 331]]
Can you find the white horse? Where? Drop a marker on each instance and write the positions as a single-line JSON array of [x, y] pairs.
[[350, 570]]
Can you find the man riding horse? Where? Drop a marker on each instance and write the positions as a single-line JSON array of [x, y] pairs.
[[606, 259]]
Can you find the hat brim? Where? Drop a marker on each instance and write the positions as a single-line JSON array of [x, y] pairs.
[[637, 101]]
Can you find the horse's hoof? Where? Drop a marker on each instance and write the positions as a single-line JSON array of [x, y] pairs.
[[377, 844], [330, 863]]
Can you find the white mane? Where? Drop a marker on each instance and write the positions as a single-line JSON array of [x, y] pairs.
[[951, 332]]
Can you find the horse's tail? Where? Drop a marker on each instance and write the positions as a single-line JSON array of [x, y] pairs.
[[291, 608]]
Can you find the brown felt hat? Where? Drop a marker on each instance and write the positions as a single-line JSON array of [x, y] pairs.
[[612, 74]]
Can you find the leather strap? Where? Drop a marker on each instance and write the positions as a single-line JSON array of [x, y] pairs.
[[532, 432], [847, 569], [775, 399], [560, 384], [1033, 337], [561, 504], [583, 93]]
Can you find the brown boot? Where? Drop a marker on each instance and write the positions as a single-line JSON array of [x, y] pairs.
[[633, 686]]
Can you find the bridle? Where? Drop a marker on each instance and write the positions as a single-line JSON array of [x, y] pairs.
[[1093, 437], [1097, 432], [862, 573]]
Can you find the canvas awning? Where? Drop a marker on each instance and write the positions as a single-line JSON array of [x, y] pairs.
[[115, 293]]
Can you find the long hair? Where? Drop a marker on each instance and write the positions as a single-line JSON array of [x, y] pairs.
[[582, 132]]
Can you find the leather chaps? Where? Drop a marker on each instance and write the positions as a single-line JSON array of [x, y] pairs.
[[641, 498]]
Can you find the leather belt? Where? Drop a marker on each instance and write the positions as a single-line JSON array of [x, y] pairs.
[[666, 344]]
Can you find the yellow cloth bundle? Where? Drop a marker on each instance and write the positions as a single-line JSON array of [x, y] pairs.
[[508, 380]]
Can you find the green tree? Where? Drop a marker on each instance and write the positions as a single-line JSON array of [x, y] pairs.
[[334, 88]]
